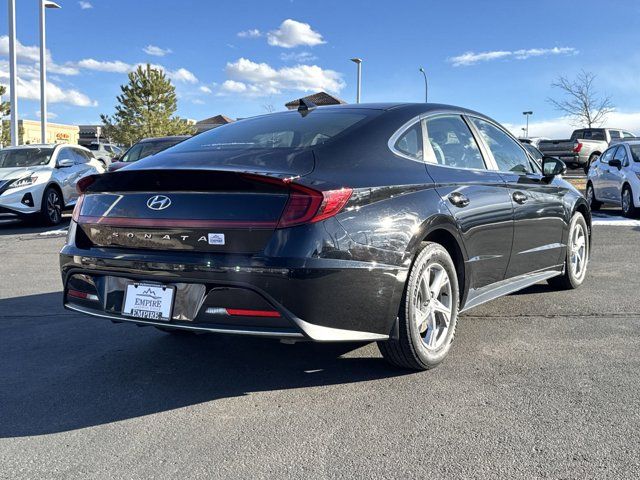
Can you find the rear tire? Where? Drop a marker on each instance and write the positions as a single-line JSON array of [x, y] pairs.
[[577, 258], [591, 198], [629, 209], [428, 313], [51, 207]]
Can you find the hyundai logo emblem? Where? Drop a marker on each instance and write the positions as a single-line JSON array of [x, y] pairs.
[[159, 202]]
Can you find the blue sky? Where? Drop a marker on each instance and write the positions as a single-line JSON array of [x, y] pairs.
[[235, 57]]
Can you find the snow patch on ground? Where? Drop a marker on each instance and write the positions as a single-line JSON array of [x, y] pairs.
[[613, 220], [51, 233]]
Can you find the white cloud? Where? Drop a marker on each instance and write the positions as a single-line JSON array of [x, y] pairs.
[[252, 33], [471, 58], [300, 57], [204, 89], [85, 5], [259, 79], [31, 54], [180, 75], [50, 115], [562, 127], [231, 86], [101, 66], [156, 51], [30, 90], [292, 34]]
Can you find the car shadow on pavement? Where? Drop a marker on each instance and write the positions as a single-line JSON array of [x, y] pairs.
[[24, 227], [63, 371]]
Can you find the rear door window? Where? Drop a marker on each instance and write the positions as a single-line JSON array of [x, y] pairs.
[[451, 143]]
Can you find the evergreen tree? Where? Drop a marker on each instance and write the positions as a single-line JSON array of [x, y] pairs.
[[146, 108], [5, 136]]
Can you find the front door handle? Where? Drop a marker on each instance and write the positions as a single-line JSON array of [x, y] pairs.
[[519, 197], [459, 199]]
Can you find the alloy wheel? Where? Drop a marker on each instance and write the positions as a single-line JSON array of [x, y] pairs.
[[54, 207], [432, 304], [578, 258]]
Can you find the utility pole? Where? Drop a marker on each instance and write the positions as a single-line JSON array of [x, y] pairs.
[[426, 86], [13, 74], [44, 4], [526, 114], [358, 61]]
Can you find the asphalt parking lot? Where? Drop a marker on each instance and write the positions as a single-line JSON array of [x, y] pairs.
[[538, 384]]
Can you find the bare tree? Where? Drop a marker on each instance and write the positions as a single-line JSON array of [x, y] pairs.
[[581, 101]]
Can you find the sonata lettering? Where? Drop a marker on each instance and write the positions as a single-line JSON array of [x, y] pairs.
[[212, 239]]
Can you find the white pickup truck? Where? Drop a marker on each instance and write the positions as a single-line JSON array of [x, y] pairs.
[[584, 146]]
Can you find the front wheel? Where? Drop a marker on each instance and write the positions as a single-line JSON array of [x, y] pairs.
[[428, 313], [51, 209], [587, 165], [577, 259], [629, 209]]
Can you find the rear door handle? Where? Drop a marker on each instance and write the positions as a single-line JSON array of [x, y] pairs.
[[459, 200], [519, 197]]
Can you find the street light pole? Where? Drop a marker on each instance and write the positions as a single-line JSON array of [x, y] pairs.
[[426, 86], [526, 114], [358, 61], [43, 68], [13, 72]]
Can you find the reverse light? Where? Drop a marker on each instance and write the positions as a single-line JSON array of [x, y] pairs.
[[82, 295], [23, 182], [577, 147]]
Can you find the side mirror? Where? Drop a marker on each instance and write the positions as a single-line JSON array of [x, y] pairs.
[[615, 163], [115, 158], [65, 163], [552, 167]]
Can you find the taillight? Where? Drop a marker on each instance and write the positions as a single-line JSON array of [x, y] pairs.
[[76, 210], [577, 147], [306, 205], [84, 183]]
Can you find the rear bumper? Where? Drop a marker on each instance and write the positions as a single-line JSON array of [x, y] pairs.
[[323, 300]]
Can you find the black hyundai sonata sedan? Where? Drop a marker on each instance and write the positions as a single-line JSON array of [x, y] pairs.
[[378, 222]]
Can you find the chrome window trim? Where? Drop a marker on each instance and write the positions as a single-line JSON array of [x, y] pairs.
[[461, 115]]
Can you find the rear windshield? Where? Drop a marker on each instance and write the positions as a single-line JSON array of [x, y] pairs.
[[635, 152], [24, 157], [284, 130], [591, 134], [94, 146]]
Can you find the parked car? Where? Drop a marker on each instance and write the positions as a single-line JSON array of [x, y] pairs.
[[584, 146], [145, 148], [105, 152], [40, 180], [328, 224], [614, 178], [535, 141]]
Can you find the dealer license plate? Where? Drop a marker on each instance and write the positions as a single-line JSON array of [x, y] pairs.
[[148, 302]]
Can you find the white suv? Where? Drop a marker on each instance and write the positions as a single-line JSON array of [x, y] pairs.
[[41, 179], [615, 178]]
